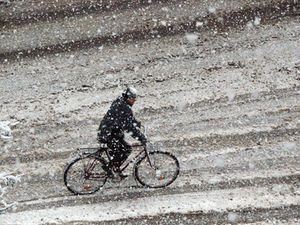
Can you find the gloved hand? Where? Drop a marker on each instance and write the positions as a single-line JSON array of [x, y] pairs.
[[144, 142]]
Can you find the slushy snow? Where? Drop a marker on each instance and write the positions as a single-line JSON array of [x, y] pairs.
[[5, 131]]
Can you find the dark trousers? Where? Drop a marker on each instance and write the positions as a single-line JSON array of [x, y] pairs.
[[119, 150]]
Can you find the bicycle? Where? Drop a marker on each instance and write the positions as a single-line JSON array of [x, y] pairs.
[[86, 174]]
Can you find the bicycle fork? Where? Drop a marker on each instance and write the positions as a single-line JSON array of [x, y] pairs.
[[157, 170]]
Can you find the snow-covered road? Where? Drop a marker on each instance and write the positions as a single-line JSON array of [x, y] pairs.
[[219, 201], [225, 102]]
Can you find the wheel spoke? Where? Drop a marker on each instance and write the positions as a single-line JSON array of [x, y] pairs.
[[162, 173], [85, 175]]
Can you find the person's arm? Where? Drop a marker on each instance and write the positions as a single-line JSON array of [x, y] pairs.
[[136, 122], [131, 127]]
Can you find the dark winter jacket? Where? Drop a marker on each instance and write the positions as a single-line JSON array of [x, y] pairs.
[[119, 118]]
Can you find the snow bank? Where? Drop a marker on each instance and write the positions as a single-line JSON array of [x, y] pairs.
[[6, 179], [5, 131]]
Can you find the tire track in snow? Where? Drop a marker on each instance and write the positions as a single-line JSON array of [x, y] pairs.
[[146, 30], [220, 201], [285, 107]]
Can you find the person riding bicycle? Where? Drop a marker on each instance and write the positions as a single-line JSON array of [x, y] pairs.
[[119, 119]]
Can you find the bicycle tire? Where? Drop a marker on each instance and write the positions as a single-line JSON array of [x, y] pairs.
[[71, 170], [162, 161]]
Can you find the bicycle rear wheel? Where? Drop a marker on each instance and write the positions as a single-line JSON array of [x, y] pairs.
[[163, 171], [85, 175]]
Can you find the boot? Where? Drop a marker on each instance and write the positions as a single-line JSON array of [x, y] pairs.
[[108, 170]]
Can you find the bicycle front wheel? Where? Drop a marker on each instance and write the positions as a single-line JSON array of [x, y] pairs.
[[85, 175], [158, 170]]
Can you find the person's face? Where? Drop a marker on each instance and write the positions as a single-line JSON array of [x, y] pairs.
[[131, 101]]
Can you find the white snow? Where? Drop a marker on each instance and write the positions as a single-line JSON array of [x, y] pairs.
[[199, 24], [218, 200], [5, 131], [249, 24], [219, 162], [163, 22], [211, 9], [163, 60], [165, 9], [6, 179], [191, 37], [256, 21], [288, 146], [230, 95], [232, 217]]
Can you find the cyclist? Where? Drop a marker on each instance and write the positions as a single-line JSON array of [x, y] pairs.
[[118, 119]]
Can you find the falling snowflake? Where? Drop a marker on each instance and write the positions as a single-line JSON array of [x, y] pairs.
[[199, 24], [232, 217], [250, 24], [164, 23], [256, 21], [211, 9], [191, 37]]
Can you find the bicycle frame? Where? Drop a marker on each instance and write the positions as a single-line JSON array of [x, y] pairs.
[[90, 168], [140, 154], [136, 157]]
